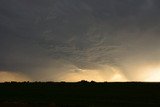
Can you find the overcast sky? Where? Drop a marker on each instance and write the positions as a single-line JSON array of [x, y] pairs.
[[70, 40]]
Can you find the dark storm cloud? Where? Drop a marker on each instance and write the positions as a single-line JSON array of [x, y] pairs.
[[34, 35]]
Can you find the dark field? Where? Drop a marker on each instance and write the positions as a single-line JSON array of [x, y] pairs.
[[80, 94]]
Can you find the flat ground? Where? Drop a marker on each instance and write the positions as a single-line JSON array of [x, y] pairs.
[[80, 94]]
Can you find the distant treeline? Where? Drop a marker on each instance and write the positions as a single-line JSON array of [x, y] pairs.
[[82, 81]]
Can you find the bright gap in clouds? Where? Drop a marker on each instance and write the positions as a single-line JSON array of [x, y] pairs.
[[146, 73], [153, 75]]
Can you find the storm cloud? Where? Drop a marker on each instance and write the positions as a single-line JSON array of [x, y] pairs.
[[52, 39]]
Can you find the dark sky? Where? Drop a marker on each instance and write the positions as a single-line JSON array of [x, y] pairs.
[[70, 40]]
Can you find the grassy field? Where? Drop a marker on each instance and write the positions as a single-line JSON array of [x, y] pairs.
[[80, 94]]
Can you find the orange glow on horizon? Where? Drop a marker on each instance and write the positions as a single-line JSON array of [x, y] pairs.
[[6, 76], [114, 75]]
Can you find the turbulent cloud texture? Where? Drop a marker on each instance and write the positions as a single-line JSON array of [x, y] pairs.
[[67, 39]]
